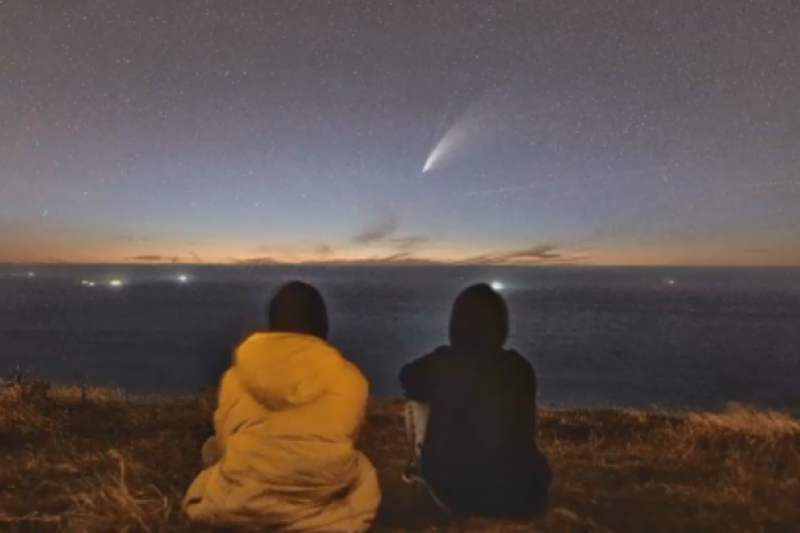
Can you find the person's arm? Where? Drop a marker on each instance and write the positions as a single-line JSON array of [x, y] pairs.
[[229, 396], [345, 402], [533, 392], [525, 389], [418, 378]]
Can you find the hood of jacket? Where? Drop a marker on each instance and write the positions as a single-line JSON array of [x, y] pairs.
[[286, 370]]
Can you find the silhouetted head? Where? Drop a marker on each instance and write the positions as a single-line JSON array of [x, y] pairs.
[[479, 320], [299, 308]]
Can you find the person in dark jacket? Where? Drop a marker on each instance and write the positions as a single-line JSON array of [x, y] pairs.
[[472, 415]]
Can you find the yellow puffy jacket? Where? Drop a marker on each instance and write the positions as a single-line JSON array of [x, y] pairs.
[[289, 412]]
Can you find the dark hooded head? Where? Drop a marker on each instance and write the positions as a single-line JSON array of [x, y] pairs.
[[479, 320], [299, 308]]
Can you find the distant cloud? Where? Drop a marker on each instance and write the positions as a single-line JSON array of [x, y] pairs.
[[544, 253], [378, 230], [323, 249], [411, 242], [158, 258], [403, 258], [541, 254], [151, 258]]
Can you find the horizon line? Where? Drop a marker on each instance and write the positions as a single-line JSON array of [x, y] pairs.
[[368, 263]]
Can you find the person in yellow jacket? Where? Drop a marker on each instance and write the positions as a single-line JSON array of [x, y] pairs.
[[290, 408]]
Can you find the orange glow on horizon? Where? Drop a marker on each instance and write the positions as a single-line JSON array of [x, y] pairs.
[[55, 253]]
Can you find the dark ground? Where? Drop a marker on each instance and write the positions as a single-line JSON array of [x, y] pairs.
[[122, 465]]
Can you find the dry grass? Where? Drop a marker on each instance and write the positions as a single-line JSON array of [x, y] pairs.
[[117, 464]]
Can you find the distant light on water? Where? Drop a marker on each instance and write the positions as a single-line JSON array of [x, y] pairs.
[[498, 286], [115, 283], [31, 274], [670, 281], [183, 278]]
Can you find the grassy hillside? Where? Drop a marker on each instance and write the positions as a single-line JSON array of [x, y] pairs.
[[109, 464]]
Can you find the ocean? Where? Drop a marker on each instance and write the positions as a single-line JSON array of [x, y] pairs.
[[597, 336]]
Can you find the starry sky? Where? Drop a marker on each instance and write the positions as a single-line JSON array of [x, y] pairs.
[[565, 132]]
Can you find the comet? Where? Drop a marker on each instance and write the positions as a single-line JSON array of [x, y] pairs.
[[428, 163], [442, 149], [479, 123], [449, 144]]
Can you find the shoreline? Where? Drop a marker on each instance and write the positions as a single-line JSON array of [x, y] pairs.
[[67, 390]]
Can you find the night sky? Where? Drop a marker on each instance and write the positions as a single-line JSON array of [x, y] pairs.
[[591, 132]]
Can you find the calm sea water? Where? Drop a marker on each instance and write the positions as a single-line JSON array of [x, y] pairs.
[[597, 336]]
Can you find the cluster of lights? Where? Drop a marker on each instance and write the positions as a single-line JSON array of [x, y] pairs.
[[111, 283], [117, 283]]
